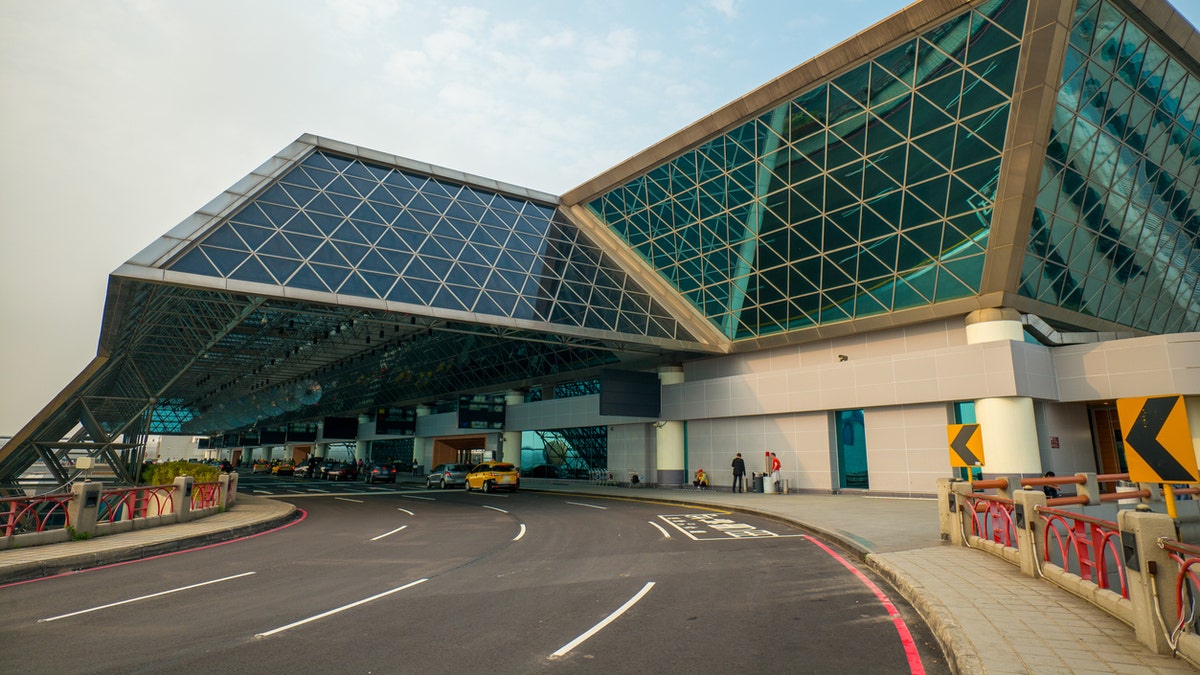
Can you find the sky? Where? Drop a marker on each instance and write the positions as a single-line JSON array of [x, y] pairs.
[[120, 118]]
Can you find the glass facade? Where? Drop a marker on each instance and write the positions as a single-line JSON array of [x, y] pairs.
[[1115, 231], [340, 225], [564, 453], [867, 194]]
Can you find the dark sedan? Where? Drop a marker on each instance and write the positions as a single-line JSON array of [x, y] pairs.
[[343, 471], [379, 473]]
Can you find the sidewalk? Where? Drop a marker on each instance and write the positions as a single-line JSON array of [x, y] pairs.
[[988, 617]]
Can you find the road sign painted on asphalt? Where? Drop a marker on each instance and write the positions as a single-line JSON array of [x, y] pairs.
[[966, 444], [1158, 441], [713, 526]]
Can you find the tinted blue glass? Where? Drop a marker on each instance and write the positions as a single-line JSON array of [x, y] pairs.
[[1115, 237]]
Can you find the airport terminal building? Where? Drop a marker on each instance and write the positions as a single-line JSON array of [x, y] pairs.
[[983, 212]]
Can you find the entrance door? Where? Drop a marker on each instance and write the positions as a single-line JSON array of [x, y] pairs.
[[1106, 433], [851, 449]]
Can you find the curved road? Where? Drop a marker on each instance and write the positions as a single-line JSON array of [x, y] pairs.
[[394, 580]]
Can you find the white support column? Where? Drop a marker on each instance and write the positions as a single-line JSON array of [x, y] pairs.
[[362, 449], [668, 437], [511, 443], [1010, 444], [421, 443]]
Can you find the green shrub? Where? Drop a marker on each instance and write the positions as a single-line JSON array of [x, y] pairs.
[[167, 472]]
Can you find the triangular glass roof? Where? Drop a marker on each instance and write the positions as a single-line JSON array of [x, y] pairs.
[[350, 228]]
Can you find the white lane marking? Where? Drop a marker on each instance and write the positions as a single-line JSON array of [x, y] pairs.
[[660, 528], [520, 534], [406, 511], [428, 499], [262, 492], [144, 597], [590, 506], [317, 490], [494, 508], [387, 533], [356, 501], [565, 649], [339, 609], [297, 492]]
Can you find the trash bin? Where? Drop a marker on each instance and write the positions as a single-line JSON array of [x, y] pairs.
[[757, 482], [768, 484]]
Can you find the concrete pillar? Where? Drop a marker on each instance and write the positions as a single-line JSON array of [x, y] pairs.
[[510, 444], [268, 452], [960, 521], [1010, 443], [421, 443], [83, 507], [181, 498], [223, 491], [1141, 530], [233, 485], [1030, 529], [362, 449], [320, 450], [945, 508], [669, 438], [1089, 489]]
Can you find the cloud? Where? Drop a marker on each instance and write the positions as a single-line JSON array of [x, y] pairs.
[[614, 50], [356, 15], [408, 67], [727, 7]]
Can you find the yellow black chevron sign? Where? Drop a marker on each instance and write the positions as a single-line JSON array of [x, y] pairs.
[[966, 445], [1158, 441]]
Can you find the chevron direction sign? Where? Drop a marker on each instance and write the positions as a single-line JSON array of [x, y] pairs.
[[1158, 441], [966, 445]]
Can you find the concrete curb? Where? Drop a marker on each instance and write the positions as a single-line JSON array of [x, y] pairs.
[[87, 560], [960, 652]]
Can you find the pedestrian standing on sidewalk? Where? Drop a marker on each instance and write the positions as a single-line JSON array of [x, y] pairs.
[[776, 465], [739, 472]]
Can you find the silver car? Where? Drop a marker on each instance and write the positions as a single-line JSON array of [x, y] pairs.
[[447, 475]]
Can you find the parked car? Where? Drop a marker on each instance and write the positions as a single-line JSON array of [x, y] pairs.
[[490, 476], [447, 475], [379, 473], [260, 467], [342, 471], [323, 468], [284, 469]]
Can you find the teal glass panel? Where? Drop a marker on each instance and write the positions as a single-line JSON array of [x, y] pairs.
[[817, 223], [850, 432], [1115, 233]]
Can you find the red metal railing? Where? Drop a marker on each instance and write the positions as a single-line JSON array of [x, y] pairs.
[[1186, 582], [205, 495], [20, 515], [991, 517], [1091, 542], [135, 502]]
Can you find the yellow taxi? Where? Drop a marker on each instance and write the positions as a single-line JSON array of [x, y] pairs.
[[491, 476]]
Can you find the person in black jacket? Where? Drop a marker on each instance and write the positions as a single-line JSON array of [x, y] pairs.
[[739, 473]]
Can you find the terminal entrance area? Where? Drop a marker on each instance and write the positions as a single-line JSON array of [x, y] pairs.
[[459, 450]]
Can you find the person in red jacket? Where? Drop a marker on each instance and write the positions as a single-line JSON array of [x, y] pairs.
[[776, 465]]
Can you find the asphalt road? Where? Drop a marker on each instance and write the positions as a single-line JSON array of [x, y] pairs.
[[395, 580]]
